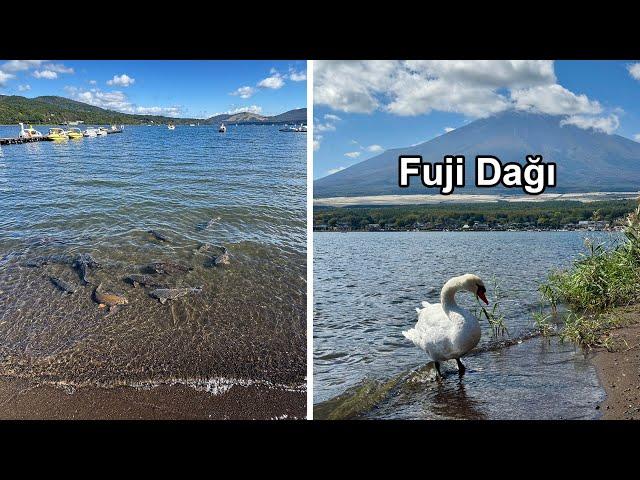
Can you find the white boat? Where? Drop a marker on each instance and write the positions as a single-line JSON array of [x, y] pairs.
[[90, 132], [295, 128], [222, 128], [192, 124], [171, 126], [29, 132], [102, 131]]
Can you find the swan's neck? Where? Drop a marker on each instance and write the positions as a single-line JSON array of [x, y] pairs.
[[448, 294]]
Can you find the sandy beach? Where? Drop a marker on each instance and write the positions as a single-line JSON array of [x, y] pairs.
[[20, 400], [619, 371]]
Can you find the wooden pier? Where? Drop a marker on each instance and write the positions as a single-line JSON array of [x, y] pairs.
[[18, 140]]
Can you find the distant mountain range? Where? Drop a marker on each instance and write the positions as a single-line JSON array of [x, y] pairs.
[[52, 110], [587, 160]]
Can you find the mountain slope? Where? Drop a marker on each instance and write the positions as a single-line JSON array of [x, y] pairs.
[[54, 110], [588, 161]]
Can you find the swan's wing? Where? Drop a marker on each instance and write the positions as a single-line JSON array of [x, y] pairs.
[[432, 327]]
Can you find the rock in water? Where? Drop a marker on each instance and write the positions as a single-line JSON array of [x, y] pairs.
[[62, 285], [210, 223], [109, 299], [222, 259], [164, 294], [159, 236]]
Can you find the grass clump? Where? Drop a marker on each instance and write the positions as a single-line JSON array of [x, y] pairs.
[[494, 316], [596, 282]]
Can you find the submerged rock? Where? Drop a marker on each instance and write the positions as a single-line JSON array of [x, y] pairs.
[[49, 259], [205, 225], [159, 236], [164, 294]]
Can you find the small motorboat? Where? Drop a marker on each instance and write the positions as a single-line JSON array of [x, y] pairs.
[[295, 129], [192, 124], [171, 126], [29, 132], [74, 133], [90, 132], [222, 128], [102, 131], [57, 133]]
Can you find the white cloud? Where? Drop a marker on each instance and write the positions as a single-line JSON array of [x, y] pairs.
[[316, 142], [5, 77], [13, 66], [634, 70], [93, 82], [374, 148], [554, 100], [244, 92], [118, 101], [331, 171], [58, 68], [352, 154], [273, 82], [46, 74], [123, 80], [474, 88], [251, 109], [324, 127], [24, 88], [332, 118], [603, 124], [295, 76], [448, 129], [636, 137]]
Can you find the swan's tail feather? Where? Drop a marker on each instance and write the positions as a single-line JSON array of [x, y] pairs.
[[418, 310], [410, 334], [426, 304]]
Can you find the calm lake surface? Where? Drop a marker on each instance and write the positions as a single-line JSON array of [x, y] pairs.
[[244, 190], [366, 288]]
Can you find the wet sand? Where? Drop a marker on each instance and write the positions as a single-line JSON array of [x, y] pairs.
[[20, 400], [619, 371]]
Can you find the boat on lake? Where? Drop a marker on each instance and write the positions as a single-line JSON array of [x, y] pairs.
[[29, 132], [171, 126], [74, 133], [294, 128], [102, 131], [57, 133], [90, 132], [222, 128]]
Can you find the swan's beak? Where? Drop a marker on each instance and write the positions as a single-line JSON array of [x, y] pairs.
[[483, 297]]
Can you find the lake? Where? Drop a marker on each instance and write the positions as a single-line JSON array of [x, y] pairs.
[[366, 288], [204, 191]]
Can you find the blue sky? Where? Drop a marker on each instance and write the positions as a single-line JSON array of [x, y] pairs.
[[177, 88], [363, 108]]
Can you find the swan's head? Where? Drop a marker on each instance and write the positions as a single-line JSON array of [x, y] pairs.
[[474, 284]]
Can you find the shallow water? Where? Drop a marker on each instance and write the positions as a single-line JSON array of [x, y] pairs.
[[366, 288], [244, 190]]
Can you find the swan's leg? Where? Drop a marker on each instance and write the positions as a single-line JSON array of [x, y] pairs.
[[461, 368], [438, 374]]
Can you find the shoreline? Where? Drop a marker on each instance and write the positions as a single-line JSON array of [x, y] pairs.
[[619, 370], [22, 400]]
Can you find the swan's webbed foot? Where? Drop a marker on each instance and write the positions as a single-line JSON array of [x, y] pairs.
[[461, 368]]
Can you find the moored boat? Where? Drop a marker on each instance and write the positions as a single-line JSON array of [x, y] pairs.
[[29, 132], [57, 133], [102, 131], [74, 133], [90, 132], [171, 126]]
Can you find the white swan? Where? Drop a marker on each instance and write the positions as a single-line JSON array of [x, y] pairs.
[[444, 330]]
